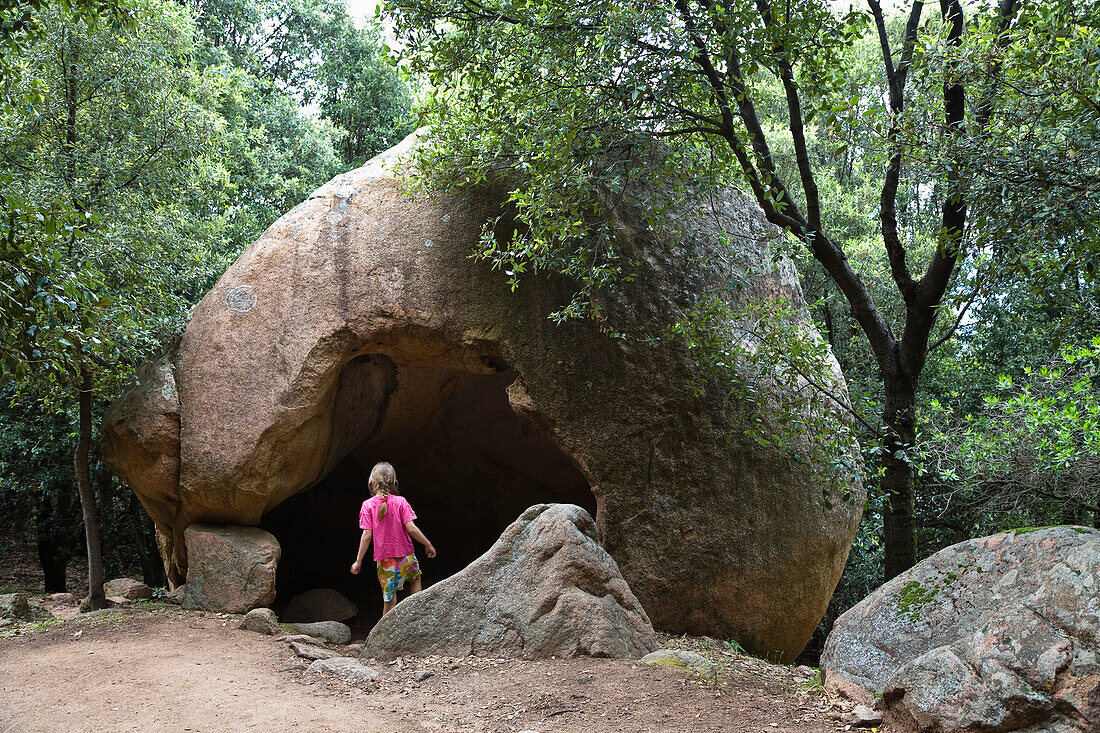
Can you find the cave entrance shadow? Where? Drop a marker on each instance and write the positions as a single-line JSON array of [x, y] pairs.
[[465, 461]]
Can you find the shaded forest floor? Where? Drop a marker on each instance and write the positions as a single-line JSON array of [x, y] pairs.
[[20, 569], [160, 668]]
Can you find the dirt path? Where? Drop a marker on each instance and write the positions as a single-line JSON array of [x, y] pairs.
[[171, 670]]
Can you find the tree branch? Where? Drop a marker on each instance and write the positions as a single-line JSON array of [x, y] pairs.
[[958, 319], [895, 78], [798, 132], [922, 308]]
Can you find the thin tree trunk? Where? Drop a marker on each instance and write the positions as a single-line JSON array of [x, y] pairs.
[[897, 481], [87, 495]]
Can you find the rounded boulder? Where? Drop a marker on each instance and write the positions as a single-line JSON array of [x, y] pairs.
[[358, 329], [987, 634]]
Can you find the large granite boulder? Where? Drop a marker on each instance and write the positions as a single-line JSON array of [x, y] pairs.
[[546, 588], [994, 634], [232, 568], [357, 329]]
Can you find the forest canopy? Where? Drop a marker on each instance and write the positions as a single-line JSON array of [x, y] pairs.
[[145, 143]]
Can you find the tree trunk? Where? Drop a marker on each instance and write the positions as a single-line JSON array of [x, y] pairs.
[[152, 569], [53, 544], [87, 495], [897, 480]]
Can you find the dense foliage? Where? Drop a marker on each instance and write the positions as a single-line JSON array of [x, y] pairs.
[[928, 164], [124, 198]]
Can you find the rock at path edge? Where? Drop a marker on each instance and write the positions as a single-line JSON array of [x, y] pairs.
[[262, 621], [346, 668], [127, 588], [546, 588], [682, 660], [333, 632], [17, 607], [312, 651], [983, 634]]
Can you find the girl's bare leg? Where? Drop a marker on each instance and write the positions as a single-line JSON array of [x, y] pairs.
[[387, 606], [414, 586]]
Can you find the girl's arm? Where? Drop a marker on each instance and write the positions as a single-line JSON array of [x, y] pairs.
[[417, 535], [364, 543]]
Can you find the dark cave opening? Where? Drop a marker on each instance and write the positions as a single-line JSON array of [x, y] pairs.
[[465, 461]]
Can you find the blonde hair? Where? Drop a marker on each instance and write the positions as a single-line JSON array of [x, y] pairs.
[[383, 481]]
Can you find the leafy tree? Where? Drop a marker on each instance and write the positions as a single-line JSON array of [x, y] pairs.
[[560, 90], [36, 456], [87, 298], [1031, 451], [362, 94], [275, 157], [20, 24], [274, 40], [123, 200], [311, 51]]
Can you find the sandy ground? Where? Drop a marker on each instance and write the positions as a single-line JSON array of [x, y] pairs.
[[163, 669]]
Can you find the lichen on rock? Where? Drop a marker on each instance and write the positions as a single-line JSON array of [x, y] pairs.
[[995, 634]]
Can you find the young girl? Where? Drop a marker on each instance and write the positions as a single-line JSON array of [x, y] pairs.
[[388, 519]]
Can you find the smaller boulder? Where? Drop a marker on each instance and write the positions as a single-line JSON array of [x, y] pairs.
[[333, 632], [346, 668], [1019, 666], [682, 660], [230, 569], [262, 621], [319, 604], [863, 716], [989, 634], [546, 588], [846, 687], [176, 595], [64, 599], [127, 588], [300, 638], [17, 607], [312, 651]]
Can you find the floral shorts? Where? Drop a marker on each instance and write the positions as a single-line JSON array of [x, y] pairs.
[[393, 572]]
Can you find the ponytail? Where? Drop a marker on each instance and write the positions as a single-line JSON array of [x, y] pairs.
[[383, 481]]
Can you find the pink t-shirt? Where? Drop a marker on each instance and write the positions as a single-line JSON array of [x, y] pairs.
[[388, 534]]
